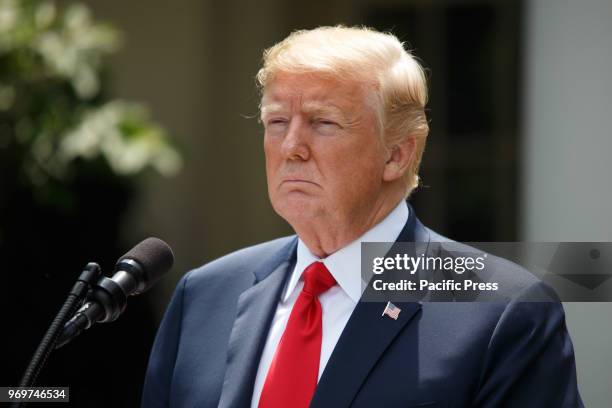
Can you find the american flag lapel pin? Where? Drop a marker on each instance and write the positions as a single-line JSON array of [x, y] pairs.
[[392, 311]]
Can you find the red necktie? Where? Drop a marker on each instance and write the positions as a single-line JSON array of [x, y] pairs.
[[292, 377]]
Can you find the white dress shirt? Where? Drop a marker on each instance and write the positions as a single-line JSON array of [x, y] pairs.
[[338, 302]]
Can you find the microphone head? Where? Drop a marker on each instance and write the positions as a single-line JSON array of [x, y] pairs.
[[155, 258]]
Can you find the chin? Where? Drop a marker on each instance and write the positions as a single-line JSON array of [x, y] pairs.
[[298, 207]]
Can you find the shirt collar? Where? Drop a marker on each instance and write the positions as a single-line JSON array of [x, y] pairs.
[[345, 264]]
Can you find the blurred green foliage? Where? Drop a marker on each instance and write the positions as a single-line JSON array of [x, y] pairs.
[[56, 120]]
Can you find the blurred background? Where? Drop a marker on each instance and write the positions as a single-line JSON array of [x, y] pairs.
[[121, 120]]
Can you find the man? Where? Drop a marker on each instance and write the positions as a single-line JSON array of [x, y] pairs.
[[281, 324]]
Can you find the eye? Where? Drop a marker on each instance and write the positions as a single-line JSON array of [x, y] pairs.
[[327, 122], [276, 123], [326, 126]]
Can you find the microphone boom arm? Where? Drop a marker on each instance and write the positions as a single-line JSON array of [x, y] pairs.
[[101, 299], [86, 280]]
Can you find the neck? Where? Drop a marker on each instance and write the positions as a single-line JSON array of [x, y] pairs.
[[326, 235]]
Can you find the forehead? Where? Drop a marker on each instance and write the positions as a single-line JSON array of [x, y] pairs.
[[311, 92]]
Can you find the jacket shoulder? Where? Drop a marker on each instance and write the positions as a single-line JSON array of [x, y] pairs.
[[242, 263], [513, 280]]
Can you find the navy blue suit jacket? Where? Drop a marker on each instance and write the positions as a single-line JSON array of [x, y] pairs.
[[481, 354]]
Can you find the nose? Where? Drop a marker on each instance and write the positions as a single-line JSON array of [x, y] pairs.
[[295, 143]]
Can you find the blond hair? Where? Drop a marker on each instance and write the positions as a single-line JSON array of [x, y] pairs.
[[368, 56]]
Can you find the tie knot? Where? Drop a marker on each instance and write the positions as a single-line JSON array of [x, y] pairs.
[[317, 279]]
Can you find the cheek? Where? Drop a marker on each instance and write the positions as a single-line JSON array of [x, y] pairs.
[[357, 171], [354, 175], [271, 155]]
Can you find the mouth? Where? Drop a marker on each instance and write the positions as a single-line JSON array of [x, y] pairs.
[[296, 182]]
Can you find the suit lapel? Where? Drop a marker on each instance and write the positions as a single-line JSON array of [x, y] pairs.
[[365, 338], [255, 310]]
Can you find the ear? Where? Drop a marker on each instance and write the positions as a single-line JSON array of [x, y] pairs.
[[400, 158]]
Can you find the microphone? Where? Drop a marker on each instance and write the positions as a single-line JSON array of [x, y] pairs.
[[135, 272]]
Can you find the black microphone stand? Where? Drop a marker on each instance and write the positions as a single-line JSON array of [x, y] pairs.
[[89, 276]]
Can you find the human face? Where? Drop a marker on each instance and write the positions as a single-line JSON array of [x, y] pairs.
[[324, 156]]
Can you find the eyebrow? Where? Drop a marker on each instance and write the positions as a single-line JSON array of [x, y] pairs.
[[272, 107], [308, 107], [322, 109]]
